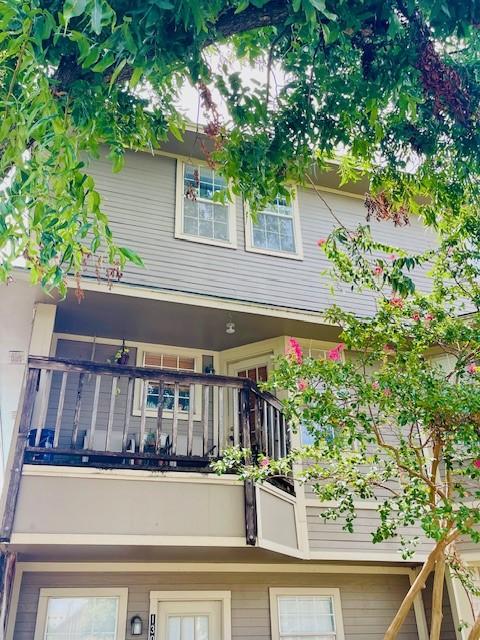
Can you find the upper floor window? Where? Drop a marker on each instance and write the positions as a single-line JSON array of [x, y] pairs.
[[81, 614], [276, 230], [198, 216]]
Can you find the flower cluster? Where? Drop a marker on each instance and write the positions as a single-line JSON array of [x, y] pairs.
[[335, 354], [294, 351]]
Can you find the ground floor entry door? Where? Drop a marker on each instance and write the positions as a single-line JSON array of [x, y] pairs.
[[184, 620]]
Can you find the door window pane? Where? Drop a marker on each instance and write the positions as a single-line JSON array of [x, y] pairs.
[[310, 616], [81, 618], [274, 228], [203, 217], [187, 628]]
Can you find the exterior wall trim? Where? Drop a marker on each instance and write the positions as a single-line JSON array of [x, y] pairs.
[[136, 540], [419, 610], [192, 567], [199, 300], [208, 567], [129, 474]]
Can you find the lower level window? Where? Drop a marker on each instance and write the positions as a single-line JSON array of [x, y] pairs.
[[78, 614], [306, 614]]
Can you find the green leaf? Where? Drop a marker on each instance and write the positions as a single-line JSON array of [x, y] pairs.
[[320, 6], [104, 63], [73, 8], [96, 17], [131, 256], [135, 77], [117, 71]]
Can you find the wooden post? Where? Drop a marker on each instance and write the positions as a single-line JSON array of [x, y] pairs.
[[244, 421], [20, 444], [250, 513], [76, 413], [159, 416]]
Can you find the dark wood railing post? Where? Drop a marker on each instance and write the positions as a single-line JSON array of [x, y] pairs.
[[20, 444], [244, 417], [250, 513]]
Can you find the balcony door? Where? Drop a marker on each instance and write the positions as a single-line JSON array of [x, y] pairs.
[[255, 369], [192, 615]]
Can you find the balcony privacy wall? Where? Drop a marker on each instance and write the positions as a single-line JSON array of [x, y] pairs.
[[141, 204], [369, 601]]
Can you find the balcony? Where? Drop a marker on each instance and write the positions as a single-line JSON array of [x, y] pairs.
[[80, 421]]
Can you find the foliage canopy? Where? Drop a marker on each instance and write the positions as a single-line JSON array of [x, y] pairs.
[[392, 85]]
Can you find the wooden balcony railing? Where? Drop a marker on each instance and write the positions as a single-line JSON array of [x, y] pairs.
[[93, 414]]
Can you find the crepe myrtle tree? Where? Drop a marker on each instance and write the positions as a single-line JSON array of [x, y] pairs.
[[395, 81], [388, 421]]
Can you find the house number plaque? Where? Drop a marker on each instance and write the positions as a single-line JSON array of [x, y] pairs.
[[151, 627]]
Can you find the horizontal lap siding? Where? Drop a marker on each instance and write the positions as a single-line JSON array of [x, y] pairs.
[[368, 601], [141, 204], [329, 535]]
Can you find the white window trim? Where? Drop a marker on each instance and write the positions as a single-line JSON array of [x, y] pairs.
[[306, 591], [297, 232], [179, 210], [197, 354], [224, 597], [119, 592]]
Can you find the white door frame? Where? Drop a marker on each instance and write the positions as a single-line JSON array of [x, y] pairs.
[[224, 597]]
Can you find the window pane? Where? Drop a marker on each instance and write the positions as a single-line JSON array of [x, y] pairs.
[[186, 363], [188, 628], [201, 627], [168, 397], [305, 615], [81, 618], [274, 229], [205, 228], [173, 626]]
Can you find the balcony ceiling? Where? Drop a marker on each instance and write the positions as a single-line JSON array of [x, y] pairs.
[[109, 315]]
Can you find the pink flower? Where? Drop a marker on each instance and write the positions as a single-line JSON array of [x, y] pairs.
[[375, 385], [264, 462], [335, 354], [321, 242], [377, 270], [387, 393], [294, 351], [397, 302], [477, 463], [428, 318], [472, 369], [416, 316], [392, 257], [302, 385]]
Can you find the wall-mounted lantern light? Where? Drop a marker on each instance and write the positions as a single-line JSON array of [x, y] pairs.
[[136, 626]]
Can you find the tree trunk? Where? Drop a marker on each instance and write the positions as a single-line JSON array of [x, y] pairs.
[[437, 599], [428, 566], [475, 630]]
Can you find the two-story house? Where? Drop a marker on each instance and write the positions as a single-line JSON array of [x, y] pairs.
[[113, 524]]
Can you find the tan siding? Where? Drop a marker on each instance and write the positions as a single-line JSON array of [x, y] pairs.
[[330, 535], [368, 601], [141, 204]]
